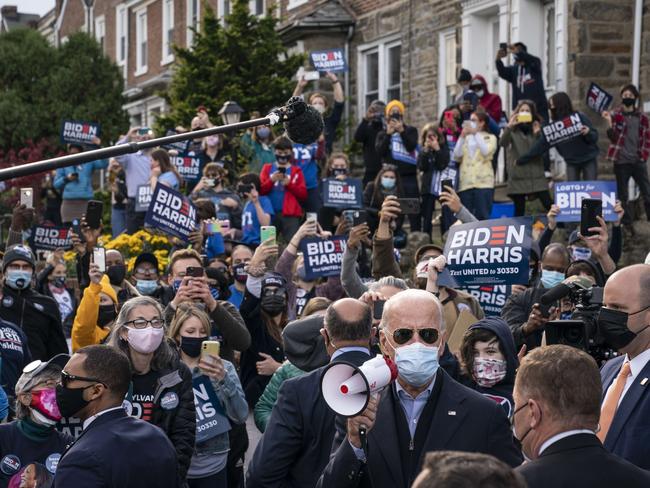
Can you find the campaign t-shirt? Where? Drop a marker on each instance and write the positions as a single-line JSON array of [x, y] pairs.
[[17, 452], [250, 224], [302, 297], [15, 355], [305, 157], [140, 396], [236, 296]]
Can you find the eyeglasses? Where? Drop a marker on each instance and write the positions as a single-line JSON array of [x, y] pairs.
[[156, 323], [428, 335], [66, 378]]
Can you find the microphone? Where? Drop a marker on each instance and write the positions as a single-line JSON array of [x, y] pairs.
[[302, 122], [563, 289]]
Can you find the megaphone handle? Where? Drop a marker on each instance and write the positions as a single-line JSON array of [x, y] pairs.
[[363, 431]]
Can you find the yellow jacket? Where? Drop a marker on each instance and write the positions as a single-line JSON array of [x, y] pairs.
[[85, 331], [476, 164]]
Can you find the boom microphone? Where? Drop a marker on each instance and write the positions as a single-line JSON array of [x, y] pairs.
[[302, 122]]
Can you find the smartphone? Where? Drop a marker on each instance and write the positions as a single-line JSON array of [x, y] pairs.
[[94, 210], [194, 271], [76, 228], [243, 189], [590, 208], [348, 215], [267, 232], [311, 216], [27, 197], [378, 309], [99, 258], [545, 309], [212, 348], [359, 217], [209, 181], [503, 46], [524, 118], [143, 131], [282, 170], [409, 206], [444, 183], [311, 75], [211, 227]]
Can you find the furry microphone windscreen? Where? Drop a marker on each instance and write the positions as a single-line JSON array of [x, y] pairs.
[[306, 127]]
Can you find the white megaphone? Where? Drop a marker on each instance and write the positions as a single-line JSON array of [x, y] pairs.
[[347, 388]]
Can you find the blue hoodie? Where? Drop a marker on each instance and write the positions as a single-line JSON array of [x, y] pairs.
[[502, 391]]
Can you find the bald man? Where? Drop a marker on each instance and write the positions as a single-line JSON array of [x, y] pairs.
[[624, 322], [299, 435], [424, 410]]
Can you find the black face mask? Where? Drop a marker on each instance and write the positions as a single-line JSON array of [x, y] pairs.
[[106, 315], [192, 345], [282, 159], [70, 400], [274, 304], [629, 102], [339, 171], [240, 275], [59, 281], [612, 325], [116, 274]]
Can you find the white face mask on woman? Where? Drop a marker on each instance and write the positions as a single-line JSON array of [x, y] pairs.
[[147, 340]]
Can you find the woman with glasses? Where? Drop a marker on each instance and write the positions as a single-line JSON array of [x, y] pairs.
[[221, 402], [161, 388]]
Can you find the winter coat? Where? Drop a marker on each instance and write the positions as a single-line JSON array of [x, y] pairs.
[[257, 153], [295, 191], [430, 162], [528, 178], [266, 402], [384, 151], [491, 102], [85, 331]]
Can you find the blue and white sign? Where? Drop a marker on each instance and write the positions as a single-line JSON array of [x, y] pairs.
[[598, 99], [79, 132], [492, 298], [569, 196], [322, 256], [489, 252], [211, 420], [188, 166], [399, 151], [180, 146], [143, 198], [330, 60], [171, 212], [346, 193]]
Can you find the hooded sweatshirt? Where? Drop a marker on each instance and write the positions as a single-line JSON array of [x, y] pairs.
[[491, 102], [85, 330], [502, 391]]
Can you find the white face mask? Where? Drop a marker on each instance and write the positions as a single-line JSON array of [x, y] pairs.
[[147, 340], [320, 108]]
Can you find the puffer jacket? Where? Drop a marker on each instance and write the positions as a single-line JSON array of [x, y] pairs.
[[265, 404]]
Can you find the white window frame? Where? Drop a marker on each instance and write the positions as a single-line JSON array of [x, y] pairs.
[[121, 31], [189, 34], [443, 37], [100, 31], [167, 56], [251, 7], [549, 84], [140, 38], [381, 47], [221, 10], [296, 3]]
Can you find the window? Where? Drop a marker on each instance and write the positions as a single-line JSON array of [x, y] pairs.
[[193, 19], [223, 11], [256, 7], [549, 46], [121, 27], [296, 3], [141, 42], [380, 73], [447, 67], [100, 31], [167, 31]]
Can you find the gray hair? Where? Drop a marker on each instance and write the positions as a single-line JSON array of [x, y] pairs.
[[164, 356], [391, 281], [49, 373], [390, 303]]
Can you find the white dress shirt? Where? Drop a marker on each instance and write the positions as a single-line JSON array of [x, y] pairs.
[[636, 366], [562, 435], [90, 420]]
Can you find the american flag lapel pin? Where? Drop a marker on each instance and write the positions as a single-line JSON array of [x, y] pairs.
[[644, 381], [451, 412]]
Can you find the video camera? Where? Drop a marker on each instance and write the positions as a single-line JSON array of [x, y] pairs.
[[581, 330]]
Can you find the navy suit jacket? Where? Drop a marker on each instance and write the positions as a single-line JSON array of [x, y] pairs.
[[463, 420], [118, 451], [579, 461], [298, 439], [628, 435]]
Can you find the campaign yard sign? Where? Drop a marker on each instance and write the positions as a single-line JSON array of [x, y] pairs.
[[342, 193], [171, 212], [563, 130], [79, 132], [569, 195], [322, 256], [143, 198], [598, 99], [489, 252], [180, 146], [492, 298], [210, 417], [329, 60], [46, 237], [188, 166]]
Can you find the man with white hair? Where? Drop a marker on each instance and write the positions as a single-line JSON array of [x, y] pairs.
[[424, 410]]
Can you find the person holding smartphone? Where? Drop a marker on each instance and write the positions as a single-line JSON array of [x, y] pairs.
[[188, 330], [257, 211], [76, 184], [432, 161]]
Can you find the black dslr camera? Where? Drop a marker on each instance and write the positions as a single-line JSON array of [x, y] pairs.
[[581, 330]]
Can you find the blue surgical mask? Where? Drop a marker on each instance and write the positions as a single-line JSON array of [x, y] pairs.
[[18, 279], [263, 132], [388, 183], [416, 363], [581, 253], [551, 278], [146, 287]]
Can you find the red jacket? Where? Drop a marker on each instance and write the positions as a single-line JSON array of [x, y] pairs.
[[491, 102], [294, 193]]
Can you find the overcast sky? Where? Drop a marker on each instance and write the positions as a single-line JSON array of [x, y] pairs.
[[40, 7]]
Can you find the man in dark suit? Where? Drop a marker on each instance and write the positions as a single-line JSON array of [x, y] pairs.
[[557, 406], [298, 438], [424, 410], [624, 322], [113, 450]]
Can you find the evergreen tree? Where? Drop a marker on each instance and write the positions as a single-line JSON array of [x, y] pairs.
[[244, 61]]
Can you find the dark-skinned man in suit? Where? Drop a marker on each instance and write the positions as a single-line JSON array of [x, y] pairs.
[[557, 407], [424, 410], [299, 435]]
